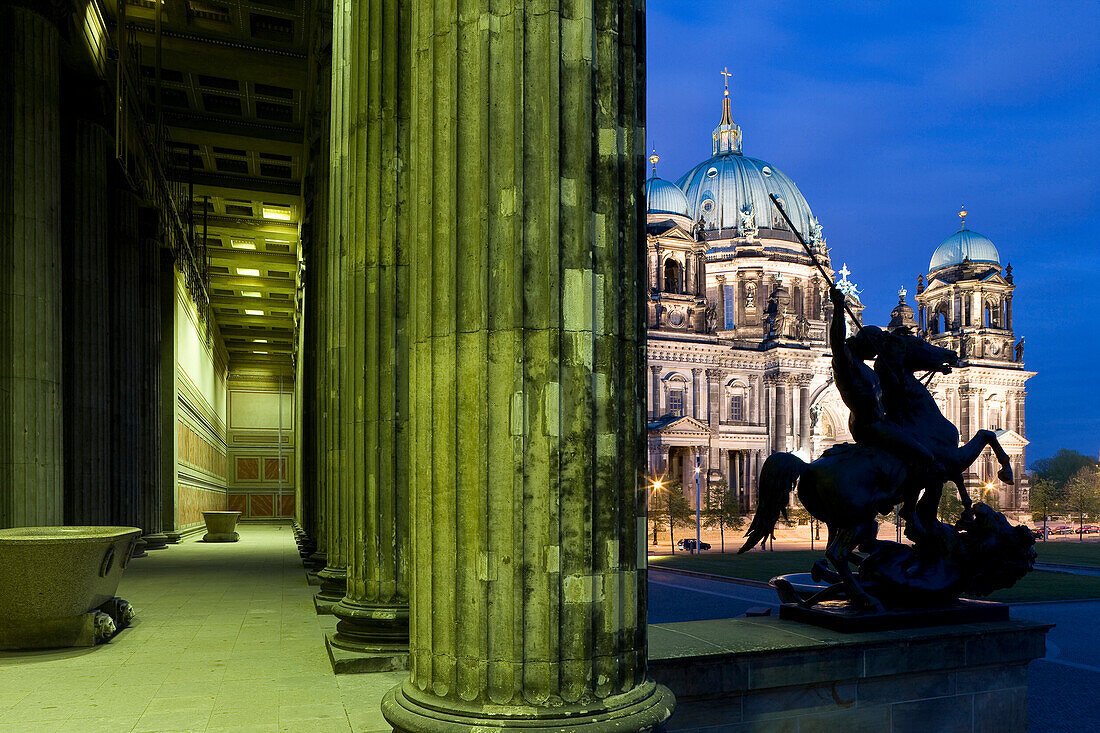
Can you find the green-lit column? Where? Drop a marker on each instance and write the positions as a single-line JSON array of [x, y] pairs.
[[31, 456], [334, 334], [526, 163], [374, 613]]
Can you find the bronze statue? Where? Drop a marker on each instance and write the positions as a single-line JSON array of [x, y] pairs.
[[905, 451]]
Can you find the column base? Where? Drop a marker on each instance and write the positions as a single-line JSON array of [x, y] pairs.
[[369, 638], [345, 661], [157, 541], [645, 708], [139, 549], [333, 588], [173, 538]]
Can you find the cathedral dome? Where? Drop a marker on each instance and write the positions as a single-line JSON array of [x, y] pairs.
[[664, 197], [731, 191], [961, 246], [729, 186]]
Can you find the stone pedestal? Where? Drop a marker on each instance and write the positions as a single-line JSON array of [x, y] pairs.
[[527, 387], [221, 526], [770, 674]]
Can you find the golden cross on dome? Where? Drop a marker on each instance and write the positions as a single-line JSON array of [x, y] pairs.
[[726, 73], [653, 159], [962, 215]]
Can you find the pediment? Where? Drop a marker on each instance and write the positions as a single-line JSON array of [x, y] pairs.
[[1010, 439], [685, 425], [674, 231]]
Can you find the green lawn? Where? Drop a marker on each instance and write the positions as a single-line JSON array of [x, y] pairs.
[[1039, 585], [1071, 552]]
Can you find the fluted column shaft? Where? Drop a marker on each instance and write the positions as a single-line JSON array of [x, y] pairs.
[[527, 420], [87, 368], [31, 456], [374, 612], [336, 489]]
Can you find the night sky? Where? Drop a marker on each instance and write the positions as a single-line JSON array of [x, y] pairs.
[[888, 117]]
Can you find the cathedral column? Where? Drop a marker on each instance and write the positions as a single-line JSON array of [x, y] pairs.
[[1008, 312], [714, 414], [1010, 410], [31, 456], [374, 613], [696, 402], [804, 413], [720, 300], [655, 394], [782, 415], [526, 160]]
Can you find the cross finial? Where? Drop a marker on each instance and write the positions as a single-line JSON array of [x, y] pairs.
[[962, 215], [844, 272], [726, 73], [901, 294], [653, 159]]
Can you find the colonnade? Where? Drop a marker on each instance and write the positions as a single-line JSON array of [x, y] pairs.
[[80, 322], [480, 342]]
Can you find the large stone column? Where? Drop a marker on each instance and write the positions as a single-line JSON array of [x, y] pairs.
[[527, 423], [655, 392], [332, 280], [374, 613], [31, 456], [86, 368]]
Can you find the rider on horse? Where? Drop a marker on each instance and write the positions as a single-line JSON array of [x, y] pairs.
[[861, 390]]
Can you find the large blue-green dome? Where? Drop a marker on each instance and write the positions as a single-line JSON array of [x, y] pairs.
[[729, 185], [964, 245], [663, 197]]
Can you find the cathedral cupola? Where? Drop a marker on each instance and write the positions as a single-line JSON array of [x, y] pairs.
[[727, 136], [964, 247], [663, 197], [902, 315]]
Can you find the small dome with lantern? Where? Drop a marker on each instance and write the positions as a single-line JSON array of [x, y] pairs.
[[964, 246]]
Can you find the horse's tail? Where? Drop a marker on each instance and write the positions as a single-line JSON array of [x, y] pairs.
[[777, 480]]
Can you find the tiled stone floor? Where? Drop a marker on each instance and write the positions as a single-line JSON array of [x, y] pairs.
[[226, 639]]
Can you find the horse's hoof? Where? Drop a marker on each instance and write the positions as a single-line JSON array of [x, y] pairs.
[[1005, 475]]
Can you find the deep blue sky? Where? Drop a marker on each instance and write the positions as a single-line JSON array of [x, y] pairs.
[[888, 116]]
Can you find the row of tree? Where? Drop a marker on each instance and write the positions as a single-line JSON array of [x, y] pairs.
[[671, 510], [1066, 483]]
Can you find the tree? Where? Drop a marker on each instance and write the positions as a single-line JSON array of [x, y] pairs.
[[658, 513], [950, 507], [1044, 497], [723, 510], [1061, 467], [679, 511], [1082, 495]]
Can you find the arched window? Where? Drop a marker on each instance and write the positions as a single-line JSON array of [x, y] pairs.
[[939, 320], [992, 314], [672, 276]]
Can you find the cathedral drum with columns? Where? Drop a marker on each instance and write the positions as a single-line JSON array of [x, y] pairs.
[[738, 320]]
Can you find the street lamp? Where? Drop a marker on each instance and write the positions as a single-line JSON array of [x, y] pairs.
[[656, 488]]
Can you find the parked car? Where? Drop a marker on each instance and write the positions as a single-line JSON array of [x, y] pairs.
[[689, 544], [1087, 529], [1062, 529], [1039, 534]]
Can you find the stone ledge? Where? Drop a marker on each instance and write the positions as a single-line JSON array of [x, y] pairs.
[[765, 673]]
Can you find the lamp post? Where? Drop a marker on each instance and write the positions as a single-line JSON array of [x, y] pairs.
[[656, 488], [698, 513]]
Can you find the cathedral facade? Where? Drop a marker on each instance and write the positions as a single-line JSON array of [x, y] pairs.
[[738, 321]]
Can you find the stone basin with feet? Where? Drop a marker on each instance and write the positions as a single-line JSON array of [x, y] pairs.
[[58, 584], [221, 526]]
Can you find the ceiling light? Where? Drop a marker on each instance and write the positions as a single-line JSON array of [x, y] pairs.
[[251, 294], [260, 341], [242, 243], [250, 271], [250, 312], [259, 352], [278, 213]]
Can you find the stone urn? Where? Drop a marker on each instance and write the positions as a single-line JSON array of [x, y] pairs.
[[221, 526]]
